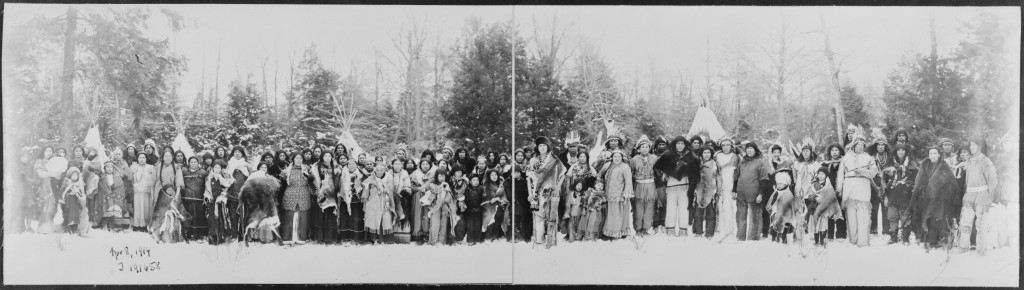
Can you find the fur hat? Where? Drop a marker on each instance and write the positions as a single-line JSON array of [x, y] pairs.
[[751, 144], [660, 140], [542, 140], [672, 145], [697, 138], [240, 149]]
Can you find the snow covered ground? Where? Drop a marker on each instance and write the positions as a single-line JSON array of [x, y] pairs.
[[662, 259], [63, 259], [108, 258]]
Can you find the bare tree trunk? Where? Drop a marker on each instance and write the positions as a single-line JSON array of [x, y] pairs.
[[781, 81], [67, 88], [291, 84], [202, 88], [277, 70], [736, 129], [216, 82], [933, 66], [376, 79], [263, 69], [707, 69], [834, 78]]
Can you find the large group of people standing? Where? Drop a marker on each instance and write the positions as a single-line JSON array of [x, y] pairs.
[[701, 187], [542, 194], [319, 193]]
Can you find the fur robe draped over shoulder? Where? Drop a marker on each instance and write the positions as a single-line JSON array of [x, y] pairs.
[[258, 196]]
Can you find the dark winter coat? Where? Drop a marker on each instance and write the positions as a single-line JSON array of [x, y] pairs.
[[679, 164], [934, 193]]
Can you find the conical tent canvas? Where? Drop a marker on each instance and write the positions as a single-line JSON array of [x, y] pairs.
[[92, 139], [180, 143], [706, 123], [349, 141]]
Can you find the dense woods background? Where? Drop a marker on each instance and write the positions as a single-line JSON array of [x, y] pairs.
[[97, 65], [784, 85]]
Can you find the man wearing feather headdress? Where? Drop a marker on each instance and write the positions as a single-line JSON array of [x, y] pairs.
[[879, 149]]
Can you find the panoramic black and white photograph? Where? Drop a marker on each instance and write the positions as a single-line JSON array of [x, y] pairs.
[[511, 144], [167, 144], [838, 146]]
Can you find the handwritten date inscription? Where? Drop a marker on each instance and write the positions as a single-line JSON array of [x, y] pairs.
[[134, 260]]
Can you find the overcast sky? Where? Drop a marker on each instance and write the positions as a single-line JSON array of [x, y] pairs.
[[246, 34], [869, 40]]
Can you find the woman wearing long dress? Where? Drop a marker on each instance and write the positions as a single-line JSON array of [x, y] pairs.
[[379, 207], [298, 196], [192, 199], [397, 181], [112, 193], [934, 192], [239, 168], [214, 196], [351, 217], [91, 171], [440, 203], [168, 174], [143, 179], [419, 179], [45, 201], [618, 181], [727, 159], [323, 218], [494, 204]]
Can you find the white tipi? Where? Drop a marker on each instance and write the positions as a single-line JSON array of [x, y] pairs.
[[180, 143], [92, 139], [706, 123]]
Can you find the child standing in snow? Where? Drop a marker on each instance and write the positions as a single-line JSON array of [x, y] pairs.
[[592, 216], [73, 203], [441, 207], [573, 214], [785, 212]]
